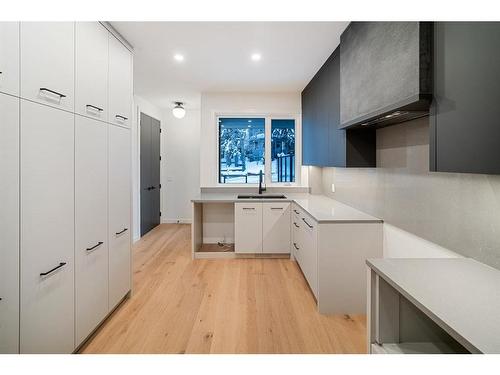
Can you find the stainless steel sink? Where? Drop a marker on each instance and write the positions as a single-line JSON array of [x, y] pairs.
[[263, 196]]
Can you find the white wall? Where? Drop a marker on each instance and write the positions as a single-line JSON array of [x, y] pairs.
[[236, 103], [180, 166], [140, 105]]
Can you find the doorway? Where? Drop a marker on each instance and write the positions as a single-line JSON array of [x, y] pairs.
[[150, 173]]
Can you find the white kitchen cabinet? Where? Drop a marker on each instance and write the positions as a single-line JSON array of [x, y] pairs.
[[91, 223], [276, 227], [91, 70], [9, 224], [119, 197], [120, 83], [48, 63], [47, 229], [307, 242], [9, 58], [248, 227]]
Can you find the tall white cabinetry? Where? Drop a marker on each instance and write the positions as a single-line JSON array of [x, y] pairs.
[[9, 223], [65, 191], [9, 58]]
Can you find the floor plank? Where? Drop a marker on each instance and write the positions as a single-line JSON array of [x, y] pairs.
[[180, 305]]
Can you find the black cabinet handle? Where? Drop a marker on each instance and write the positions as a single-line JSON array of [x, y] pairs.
[[93, 247], [62, 264], [153, 187], [276, 208], [122, 231], [294, 223], [309, 225], [295, 245], [297, 212], [248, 208], [122, 117], [94, 107], [52, 92]]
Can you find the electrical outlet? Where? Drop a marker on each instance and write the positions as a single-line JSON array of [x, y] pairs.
[[333, 188]]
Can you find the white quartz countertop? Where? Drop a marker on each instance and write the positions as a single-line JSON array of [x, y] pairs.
[[320, 207], [460, 294]]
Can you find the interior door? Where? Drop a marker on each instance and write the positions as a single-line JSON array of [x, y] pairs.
[[150, 173]]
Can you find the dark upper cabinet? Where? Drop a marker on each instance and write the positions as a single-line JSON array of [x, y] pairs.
[[465, 125], [323, 143], [385, 72]]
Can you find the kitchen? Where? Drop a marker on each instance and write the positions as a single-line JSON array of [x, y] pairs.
[[242, 190]]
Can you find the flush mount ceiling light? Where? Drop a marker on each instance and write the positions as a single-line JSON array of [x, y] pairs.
[[178, 57], [256, 56], [179, 111]]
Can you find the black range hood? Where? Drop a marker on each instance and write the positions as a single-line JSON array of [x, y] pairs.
[[386, 73]]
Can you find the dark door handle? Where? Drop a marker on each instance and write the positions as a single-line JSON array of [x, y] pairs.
[[122, 231], [94, 107], [153, 187], [93, 247], [295, 245], [276, 208], [309, 225], [248, 208], [297, 212], [294, 223], [52, 92], [62, 264], [122, 117]]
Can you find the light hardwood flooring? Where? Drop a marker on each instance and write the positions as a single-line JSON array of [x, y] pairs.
[[180, 305]]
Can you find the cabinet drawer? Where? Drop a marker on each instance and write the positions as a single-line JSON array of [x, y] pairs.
[[91, 70], [91, 221], [48, 63], [248, 227], [47, 229], [9, 57]]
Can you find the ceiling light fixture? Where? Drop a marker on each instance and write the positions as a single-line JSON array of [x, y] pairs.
[[178, 57], [256, 56], [179, 111]]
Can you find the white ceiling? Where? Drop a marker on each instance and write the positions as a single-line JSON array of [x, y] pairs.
[[217, 57]]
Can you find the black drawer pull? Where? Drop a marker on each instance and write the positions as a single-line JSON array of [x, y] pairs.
[[93, 247], [122, 117], [52, 92], [62, 264], [297, 212], [122, 231], [94, 107], [294, 223], [276, 208], [309, 225], [295, 245], [249, 208]]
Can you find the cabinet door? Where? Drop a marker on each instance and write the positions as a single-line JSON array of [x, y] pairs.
[[9, 224], [47, 229], [91, 70], [248, 227], [119, 213], [9, 57], [120, 82], [47, 63], [309, 252], [91, 222], [276, 227]]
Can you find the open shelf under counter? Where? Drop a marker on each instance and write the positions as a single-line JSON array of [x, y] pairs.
[[439, 305]]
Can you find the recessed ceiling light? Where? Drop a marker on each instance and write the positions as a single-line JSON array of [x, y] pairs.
[[256, 56], [178, 57]]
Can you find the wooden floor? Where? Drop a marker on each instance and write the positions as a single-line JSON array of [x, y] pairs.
[[180, 305]]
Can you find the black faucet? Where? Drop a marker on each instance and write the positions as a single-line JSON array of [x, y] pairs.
[[261, 189]]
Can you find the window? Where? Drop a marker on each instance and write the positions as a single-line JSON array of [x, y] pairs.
[[246, 142], [282, 150], [241, 150]]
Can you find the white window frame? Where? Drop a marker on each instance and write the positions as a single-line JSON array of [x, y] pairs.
[[267, 147]]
